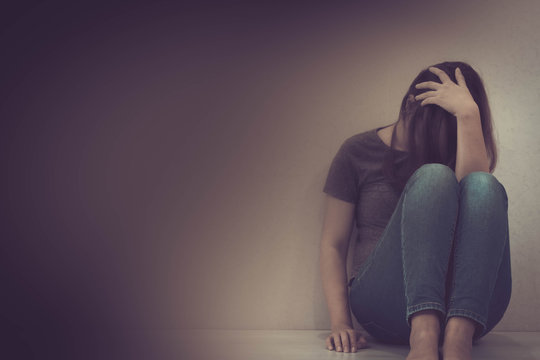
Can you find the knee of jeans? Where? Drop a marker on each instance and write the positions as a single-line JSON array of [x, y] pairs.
[[483, 182], [481, 179], [434, 168], [434, 172]]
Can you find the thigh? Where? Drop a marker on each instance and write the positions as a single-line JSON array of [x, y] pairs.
[[377, 293]]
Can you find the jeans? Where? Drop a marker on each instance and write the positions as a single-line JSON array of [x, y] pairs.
[[446, 248]]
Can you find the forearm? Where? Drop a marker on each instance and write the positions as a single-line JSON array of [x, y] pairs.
[[471, 152], [334, 279]]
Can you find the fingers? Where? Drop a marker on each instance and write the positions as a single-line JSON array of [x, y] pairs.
[[354, 340], [336, 338], [444, 78], [425, 95], [429, 100], [345, 340], [460, 78], [333, 342], [428, 85], [329, 345], [440, 73]]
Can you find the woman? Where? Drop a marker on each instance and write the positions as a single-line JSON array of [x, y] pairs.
[[432, 260]]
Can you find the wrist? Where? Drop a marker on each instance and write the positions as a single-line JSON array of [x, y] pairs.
[[470, 112], [340, 324]]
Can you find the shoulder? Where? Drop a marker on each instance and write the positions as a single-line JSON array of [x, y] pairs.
[[360, 137], [359, 143]]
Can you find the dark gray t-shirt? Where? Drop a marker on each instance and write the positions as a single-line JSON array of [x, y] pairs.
[[355, 175]]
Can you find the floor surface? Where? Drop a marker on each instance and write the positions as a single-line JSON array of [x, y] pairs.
[[310, 344]]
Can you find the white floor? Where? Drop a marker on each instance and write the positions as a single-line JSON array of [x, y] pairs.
[[310, 344]]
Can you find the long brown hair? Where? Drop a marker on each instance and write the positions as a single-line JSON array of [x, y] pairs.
[[431, 131]]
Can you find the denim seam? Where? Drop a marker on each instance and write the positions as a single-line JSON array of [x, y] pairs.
[[423, 306], [402, 251], [454, 241], [468, 313], [472, 312]]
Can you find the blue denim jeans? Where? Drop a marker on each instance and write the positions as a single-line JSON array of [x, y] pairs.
[[446, 247]]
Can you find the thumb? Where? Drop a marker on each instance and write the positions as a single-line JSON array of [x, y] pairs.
[[361, 340]]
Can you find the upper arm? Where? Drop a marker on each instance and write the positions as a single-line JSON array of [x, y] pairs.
[[338, 221]]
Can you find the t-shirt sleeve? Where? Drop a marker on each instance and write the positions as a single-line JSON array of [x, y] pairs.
[[342, 179]]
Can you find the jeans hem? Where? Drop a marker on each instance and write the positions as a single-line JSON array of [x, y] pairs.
[[471, 315], [424, 306]]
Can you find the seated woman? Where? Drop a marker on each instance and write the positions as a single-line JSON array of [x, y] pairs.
[[432, 257]]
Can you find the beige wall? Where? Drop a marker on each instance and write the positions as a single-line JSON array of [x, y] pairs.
[[281, 107]]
